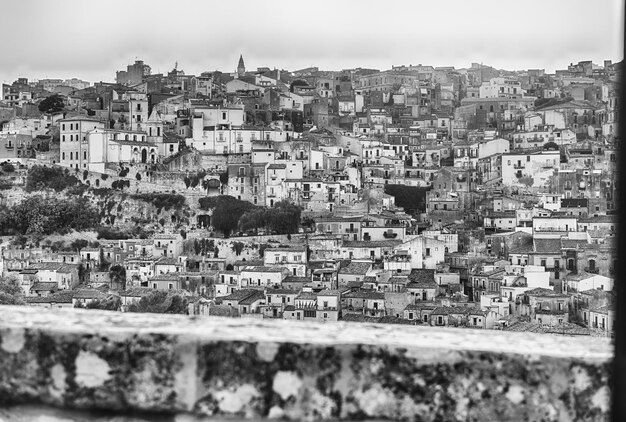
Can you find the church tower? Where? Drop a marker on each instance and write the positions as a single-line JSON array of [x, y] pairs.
[[241, 68]]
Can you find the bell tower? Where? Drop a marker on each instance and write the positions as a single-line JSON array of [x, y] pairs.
[[241, 68]]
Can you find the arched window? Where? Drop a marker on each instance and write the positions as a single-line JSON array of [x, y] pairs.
[[592, 265]]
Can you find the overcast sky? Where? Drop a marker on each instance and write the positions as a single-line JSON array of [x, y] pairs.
[[92, 39]]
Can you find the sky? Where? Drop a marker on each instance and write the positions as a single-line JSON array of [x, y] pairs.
[[90, 40]]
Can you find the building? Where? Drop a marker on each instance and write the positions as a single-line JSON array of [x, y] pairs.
[[74, 140]]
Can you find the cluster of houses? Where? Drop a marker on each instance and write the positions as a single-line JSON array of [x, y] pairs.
[[519, 171]]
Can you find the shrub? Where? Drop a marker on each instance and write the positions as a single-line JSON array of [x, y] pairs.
[[42, 177], [161, 200], [8, 167]]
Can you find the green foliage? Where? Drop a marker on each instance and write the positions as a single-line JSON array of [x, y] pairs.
[[120, 184], [11, 293], [53, 104], [56, 178], [5, 184], [237, 247], [79, 244], [112, 303], [104, 264], [124, 172], [308, 222], [161, 302], [411, 198], [101, 192], [111, 234], [38, 215], [227, 211], [117, 274], [262, 248], [161, 200], [104, 176], [284, 218], [203, 246], [8, 167], [224, 178]]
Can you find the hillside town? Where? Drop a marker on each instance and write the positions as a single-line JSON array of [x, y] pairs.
[[474, 197]]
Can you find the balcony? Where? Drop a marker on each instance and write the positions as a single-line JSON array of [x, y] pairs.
[[518, 166], [390, 235], [591, 270]]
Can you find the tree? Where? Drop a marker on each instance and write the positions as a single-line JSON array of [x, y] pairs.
[[117, 274], [79, 244], [227, 211], [11, 293], [111, 303], [224, 178], [42, 177], [104, 264], [262, 248], [237, 247], [284, 218], [53, 104], [8, 167], [161, 302], [297, 82], [411, 198]]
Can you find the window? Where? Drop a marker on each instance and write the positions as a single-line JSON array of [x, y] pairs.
[[543, 262]]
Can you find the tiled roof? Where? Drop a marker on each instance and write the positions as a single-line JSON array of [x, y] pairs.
[[44, 285], [540, 291], [522, 249], [547, 246], [89, 294], [371, 244], [63, 296], [256, 295], [422, 276], [356, 268], [365, 294], [281, 292], [307, 296], [358, 318], [239, 295]]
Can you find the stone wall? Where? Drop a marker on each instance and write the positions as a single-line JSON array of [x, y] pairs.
[[257, 369]]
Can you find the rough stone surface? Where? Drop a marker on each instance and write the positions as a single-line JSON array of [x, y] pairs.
[[188, 369]]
